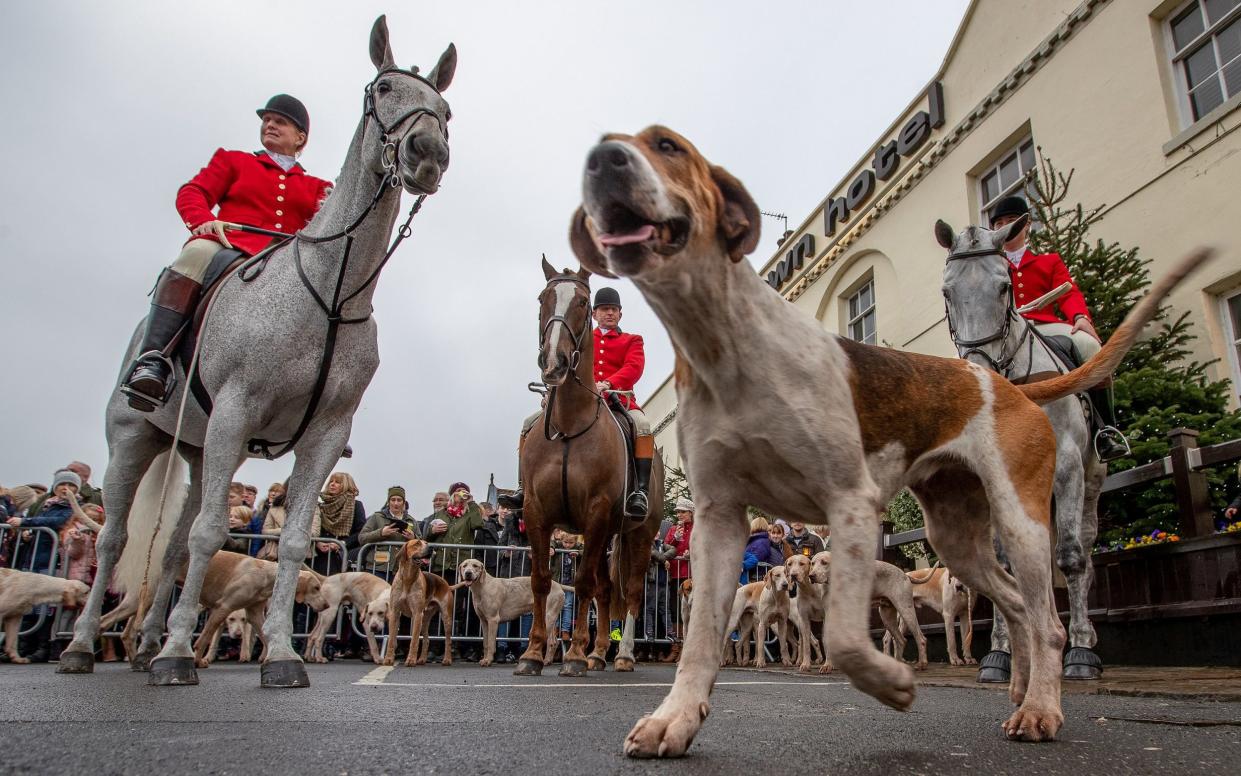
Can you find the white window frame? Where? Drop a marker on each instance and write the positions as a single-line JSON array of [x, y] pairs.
[[1233, 334], [860, 318], [1021, 186], [1176, 59]]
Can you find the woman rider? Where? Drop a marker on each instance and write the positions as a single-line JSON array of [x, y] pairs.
[[267, 189]]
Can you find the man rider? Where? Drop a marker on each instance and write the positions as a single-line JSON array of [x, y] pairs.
[[619, 362], [1034, 275]]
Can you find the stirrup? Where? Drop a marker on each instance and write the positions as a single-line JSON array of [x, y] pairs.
[[144, 402], [632, 508], [1114, 434]]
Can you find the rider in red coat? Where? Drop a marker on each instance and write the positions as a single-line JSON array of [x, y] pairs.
[[1034, 275], [619, 361], [267, 189]]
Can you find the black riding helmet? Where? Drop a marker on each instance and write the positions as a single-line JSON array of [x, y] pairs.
[[1009, 206], [291, 108], [607, 296]]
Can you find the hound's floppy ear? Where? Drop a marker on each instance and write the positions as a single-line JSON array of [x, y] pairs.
[[1015, 227], [441, 75], [549, 271], [943, 234], [584, 247], [739, 217], [381, 51]]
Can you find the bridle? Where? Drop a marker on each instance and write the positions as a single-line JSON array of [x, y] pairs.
[[578, 337], [968, 347], [390, 158]]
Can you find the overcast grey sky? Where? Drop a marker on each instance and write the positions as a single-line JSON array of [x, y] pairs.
[[109, 107]]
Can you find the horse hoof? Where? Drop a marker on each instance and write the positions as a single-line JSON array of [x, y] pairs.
[[141, 662], [573, 668], [623, 664], [528, 668], [284, 673], [172, 671], [74, 662], [996, 668], [1080, 663], [596, 664]]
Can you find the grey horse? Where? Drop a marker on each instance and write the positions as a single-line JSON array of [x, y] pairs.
[[988, 330], [261, 371]]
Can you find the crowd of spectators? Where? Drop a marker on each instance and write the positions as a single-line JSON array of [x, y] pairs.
[[347, 538]]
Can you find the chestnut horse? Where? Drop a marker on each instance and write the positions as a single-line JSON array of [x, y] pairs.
[[574, 465]]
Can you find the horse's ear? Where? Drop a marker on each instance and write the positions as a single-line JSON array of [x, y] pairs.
[[943, 234], [583, 274], [441, 75], [381, 50], [584, 247], [1015, 227], [740, 219], [549, 271]]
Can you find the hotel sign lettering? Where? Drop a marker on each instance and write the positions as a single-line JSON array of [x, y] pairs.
[[887, 160], [883, 166]]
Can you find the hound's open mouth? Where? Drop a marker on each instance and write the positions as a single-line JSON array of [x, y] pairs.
[[621, 226]]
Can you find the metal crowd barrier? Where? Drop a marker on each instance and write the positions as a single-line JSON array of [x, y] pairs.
[[657, 621], [19, 550]]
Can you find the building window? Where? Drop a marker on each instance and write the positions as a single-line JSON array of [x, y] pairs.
[[1206, 54], [861, 325], [1232, 330], [1010, 175]]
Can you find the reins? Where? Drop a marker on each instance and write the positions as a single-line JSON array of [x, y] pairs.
[[969, 347]]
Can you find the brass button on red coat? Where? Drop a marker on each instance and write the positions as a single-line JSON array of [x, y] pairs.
[[279, 199], [279, 212], [278, 226]]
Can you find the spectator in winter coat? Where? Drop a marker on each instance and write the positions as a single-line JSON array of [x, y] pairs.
[[757, 550], [490, 534], [390, 524], [678, 569], [804, 542], [566, 548], [341, 517], [275, 496], [780, 549], [54, 512]]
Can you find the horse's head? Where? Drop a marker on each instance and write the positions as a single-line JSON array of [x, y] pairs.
[[408, 116], [564, 322], [978, 293]]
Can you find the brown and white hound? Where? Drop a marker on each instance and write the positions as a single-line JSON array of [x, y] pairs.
[[414, 594], [777, 413]]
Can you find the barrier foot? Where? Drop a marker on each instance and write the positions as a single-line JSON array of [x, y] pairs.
[[996, 667], [172, 671], [596, 664], [573, 668], [623, 664], [1080, 663], [284, 673], [528, 668], [74, 662]]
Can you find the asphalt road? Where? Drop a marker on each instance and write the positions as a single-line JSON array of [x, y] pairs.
[[471, 720]]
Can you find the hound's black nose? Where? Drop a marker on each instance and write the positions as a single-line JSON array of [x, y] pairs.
[[609, 155]]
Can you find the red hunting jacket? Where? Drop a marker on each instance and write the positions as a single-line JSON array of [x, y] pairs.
[[1035, 276], [250, 188], [619, 359]]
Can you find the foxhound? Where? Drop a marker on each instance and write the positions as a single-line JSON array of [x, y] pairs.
[[775, 412]]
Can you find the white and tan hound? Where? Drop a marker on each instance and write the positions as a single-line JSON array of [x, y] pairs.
[[775, 412], [940, 590]]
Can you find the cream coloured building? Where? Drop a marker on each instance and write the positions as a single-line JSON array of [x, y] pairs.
[[1140, 97]]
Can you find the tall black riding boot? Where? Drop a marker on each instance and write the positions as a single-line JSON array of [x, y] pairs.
[[637, 505], [173, 301], [1109, 442]]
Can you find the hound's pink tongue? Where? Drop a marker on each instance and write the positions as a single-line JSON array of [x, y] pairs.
[[642, 234]]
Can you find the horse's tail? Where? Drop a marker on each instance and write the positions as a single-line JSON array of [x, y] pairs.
[[144, 518], [1102, 364]]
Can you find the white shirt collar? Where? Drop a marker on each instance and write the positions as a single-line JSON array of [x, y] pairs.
[[1014, 257], [286, 162]]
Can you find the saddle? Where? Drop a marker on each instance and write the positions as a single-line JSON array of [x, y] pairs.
[[223, 263]]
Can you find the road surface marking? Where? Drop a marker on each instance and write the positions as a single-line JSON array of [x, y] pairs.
[[376, 676]]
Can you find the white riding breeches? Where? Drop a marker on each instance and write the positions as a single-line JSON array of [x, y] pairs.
[[1085, 344]]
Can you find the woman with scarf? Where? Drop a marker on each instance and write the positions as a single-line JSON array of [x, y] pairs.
[[341, 516]]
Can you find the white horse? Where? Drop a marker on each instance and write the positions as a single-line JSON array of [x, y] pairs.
[[263, 374], [988, 330]]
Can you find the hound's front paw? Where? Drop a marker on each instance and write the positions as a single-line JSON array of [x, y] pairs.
[[1035, 725], [658, 736]]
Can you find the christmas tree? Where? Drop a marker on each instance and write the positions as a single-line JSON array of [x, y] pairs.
[[1158, 388]]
